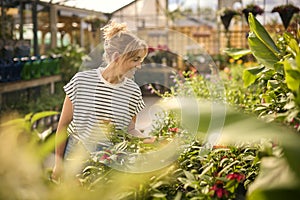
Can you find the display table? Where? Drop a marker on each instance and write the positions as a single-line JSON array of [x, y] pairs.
[[24, 84], [159, 75]]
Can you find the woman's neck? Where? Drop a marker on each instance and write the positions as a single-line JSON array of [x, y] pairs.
[[112, 75]]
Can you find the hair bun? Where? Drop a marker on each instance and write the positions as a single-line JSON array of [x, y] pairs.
[[112, 29]]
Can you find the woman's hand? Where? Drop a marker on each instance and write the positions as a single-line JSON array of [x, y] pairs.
[[57, 172], [149, 140]]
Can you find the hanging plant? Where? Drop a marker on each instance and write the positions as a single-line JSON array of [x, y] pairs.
[[286, 13], [226, 16], [94, 21], [252, 8]]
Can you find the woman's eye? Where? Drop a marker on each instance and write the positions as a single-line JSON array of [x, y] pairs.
[[138, 59]]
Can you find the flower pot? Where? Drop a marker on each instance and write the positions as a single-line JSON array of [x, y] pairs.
[[286, 13], [286, 18], [254, 9], [226, 19]]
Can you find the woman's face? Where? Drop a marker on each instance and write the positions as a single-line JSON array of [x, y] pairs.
[[133, 63]]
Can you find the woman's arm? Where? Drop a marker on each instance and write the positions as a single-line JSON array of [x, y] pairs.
[[61, 137]]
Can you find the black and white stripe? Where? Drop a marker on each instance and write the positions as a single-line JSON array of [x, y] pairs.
[[97, 102]]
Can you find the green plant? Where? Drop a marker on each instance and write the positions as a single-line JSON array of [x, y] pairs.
[[71, 60], [277, 79], [224, 172], [26, 125]]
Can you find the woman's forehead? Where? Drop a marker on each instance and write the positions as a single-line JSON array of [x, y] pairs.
[[138, 53]]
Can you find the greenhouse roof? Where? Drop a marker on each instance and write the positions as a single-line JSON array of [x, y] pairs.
[[103, 6]]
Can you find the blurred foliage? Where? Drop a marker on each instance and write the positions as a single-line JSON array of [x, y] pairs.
[[225, 171]]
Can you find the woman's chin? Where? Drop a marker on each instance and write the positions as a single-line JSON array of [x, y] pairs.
[[130, 74]]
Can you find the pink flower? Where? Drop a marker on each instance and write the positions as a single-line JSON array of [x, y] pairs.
[[237, 176]]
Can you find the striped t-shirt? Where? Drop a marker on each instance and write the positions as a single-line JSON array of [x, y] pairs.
[[96, 102]]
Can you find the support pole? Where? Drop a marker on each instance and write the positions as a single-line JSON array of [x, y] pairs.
[[2, 19], [21, 15], [53, 27], [35, 28]]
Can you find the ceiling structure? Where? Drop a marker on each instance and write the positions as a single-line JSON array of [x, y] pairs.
[[103, 6]]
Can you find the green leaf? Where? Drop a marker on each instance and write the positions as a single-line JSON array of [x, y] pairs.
[[189, 175], [273, 84], [231, 185], [28, 116], [292, 76], [261, 51], [250, 75], [237, 53], [159, 196], [274, 194], [41, 115], [157, 184], [275, 176], [262, 34], [298, 61], [279, 68], [292, 43]]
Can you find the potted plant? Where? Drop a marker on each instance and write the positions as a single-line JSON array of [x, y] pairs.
[[286, 13], [226, 16], [252, 8]]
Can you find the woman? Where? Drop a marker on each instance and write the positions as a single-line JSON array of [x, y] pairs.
[[102, 96]]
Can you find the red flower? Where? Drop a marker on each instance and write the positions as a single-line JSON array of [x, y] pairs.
[[151, 49], [175, 130], [219, 190], [223, 157], [162, 47], [106, 155], [237, 176], [219, 147]]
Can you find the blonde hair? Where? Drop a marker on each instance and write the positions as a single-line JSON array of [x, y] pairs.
[[117, 38]]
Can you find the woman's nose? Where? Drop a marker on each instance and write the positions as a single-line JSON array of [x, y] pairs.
[[139, 66]]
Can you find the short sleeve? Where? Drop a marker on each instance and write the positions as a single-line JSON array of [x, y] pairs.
[[71, 87], [140, 103]]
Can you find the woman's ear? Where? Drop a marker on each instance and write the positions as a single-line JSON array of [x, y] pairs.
[[115, 56]]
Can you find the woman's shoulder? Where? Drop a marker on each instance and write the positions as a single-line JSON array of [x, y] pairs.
[[87, 73]]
